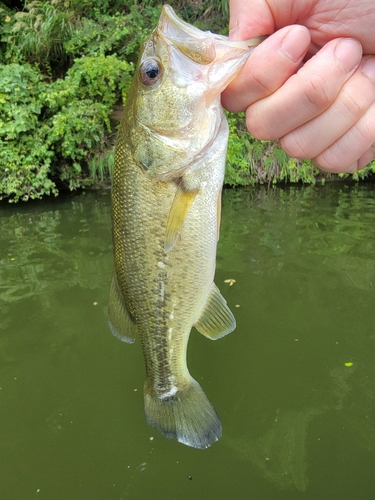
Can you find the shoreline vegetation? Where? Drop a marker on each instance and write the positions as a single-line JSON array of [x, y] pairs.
[[65, 70]]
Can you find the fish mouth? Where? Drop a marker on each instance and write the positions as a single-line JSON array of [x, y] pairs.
[[222, 58], [169, 22], [202, 47]]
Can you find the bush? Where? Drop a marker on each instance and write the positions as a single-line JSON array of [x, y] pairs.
[[25, 157], [50, 132], [251, 161], [36, 35], [118, 34], [56, 131], [237, 167], [102, 79]]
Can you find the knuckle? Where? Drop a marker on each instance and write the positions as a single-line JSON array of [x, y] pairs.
[[255, 126], [298, 146], [263, 83], [334, 161], [292, 148], [354, 102], [256, 131], [261, 129], [316, 95], [322, 164]]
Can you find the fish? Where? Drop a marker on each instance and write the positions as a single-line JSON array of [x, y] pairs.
[[166, 204]]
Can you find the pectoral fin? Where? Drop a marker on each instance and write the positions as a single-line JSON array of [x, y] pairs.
[[120, 321], [217, 319], [180, 207]]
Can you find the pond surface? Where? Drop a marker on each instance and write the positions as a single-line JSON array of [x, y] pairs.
[[294, 385]]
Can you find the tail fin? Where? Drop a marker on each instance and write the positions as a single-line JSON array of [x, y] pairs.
[[186, 416]]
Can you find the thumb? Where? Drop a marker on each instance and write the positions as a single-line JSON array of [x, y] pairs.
[[250, 18]]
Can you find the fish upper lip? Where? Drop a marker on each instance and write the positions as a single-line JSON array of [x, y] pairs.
[[199, 34], [174, 20], [176, 32]]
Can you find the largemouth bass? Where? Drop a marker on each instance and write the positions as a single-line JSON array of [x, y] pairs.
[[166, 198]]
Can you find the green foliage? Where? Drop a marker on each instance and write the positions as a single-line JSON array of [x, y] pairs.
[[25, 157], [90, 9], [118, 34], [19, 93], [237, 168], [101, 78], [36, 35], [367, 171], [101, 167], [251, 161], [76, 133], [204, 14], [56, 131], [50, 132], [25, 170]]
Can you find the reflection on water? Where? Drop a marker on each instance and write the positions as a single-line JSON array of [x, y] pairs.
[[280, 454], [297, 422], [47, 248]]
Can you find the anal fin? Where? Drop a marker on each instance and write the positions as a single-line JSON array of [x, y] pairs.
[[217, 319], [121, 324]]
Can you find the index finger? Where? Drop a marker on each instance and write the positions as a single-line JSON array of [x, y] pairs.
[[268, 68]]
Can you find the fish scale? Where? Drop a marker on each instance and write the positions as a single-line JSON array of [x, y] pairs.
[[166, 197]]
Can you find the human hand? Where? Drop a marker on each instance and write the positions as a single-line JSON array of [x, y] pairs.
[[323, 108]]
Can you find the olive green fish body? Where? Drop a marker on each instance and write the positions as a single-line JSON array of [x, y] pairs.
[[169, 170]]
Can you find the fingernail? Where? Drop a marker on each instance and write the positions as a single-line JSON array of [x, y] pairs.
[[233, 32], [295, 43], [348, 52], [368, 68]]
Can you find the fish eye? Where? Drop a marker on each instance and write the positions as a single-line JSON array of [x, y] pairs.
[[150, 72]]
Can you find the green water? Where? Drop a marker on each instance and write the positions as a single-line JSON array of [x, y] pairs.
[[297, 422]]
